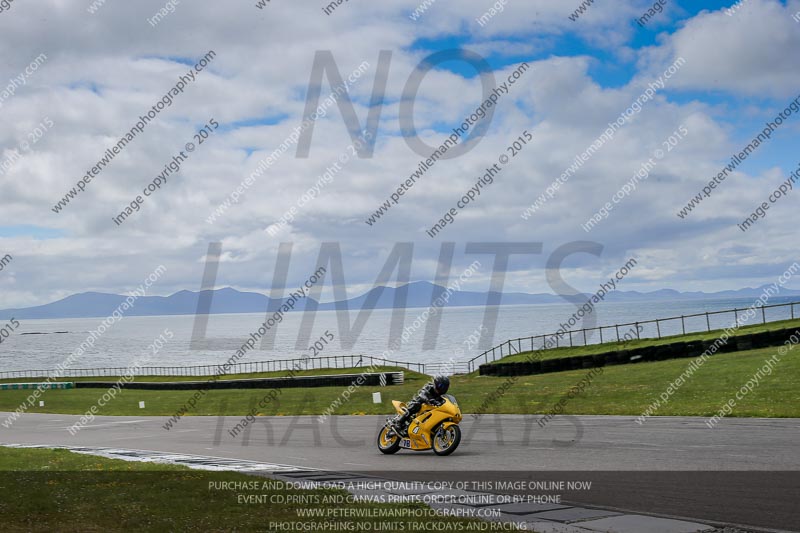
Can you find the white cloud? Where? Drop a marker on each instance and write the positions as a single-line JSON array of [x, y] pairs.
[[748, 52], [262, 69]]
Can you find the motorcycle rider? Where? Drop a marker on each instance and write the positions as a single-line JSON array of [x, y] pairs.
[[431, 394]]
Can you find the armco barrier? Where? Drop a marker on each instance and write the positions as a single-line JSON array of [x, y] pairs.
[[661, 352], [336, 380]]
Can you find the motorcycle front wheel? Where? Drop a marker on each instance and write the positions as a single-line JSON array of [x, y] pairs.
[[445, 441], [386, 444]]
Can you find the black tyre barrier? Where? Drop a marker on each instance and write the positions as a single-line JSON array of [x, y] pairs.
[[761, 340], [552, 365], [598, 360], [624, 357], [661, 352], [744, 344], [776, 337], [694, 349], [337, 380]]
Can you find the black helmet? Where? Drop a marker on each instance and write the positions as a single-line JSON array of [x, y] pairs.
[[441, 384]]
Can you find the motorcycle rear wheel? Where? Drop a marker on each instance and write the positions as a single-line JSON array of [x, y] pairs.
[[445, 441], [388, 445]]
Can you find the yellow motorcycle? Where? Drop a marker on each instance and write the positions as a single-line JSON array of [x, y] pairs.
[[435, 427]]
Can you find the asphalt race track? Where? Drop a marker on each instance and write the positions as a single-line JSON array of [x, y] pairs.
[[744, 471]]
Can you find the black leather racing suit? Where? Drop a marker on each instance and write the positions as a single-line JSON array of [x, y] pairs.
[[426, 394]]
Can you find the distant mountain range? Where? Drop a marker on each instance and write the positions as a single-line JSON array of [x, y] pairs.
[[228, 300]]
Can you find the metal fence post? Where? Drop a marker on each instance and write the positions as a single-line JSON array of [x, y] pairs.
[[658, 329], [763, 315], [708, 322]]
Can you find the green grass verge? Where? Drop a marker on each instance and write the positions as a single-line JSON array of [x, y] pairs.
[[560, 353], [57, 490], [619, 390], [630, 389]]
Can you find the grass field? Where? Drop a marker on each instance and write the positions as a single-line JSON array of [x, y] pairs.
[[619, 390], [57, 490], [570, 351]]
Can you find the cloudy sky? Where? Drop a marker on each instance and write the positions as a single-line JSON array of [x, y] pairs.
[[105, 69]]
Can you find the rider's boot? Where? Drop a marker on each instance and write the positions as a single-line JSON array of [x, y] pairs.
[[399, 424]]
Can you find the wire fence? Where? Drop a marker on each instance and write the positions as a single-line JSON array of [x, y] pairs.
[[333, 361], [646, 329]]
